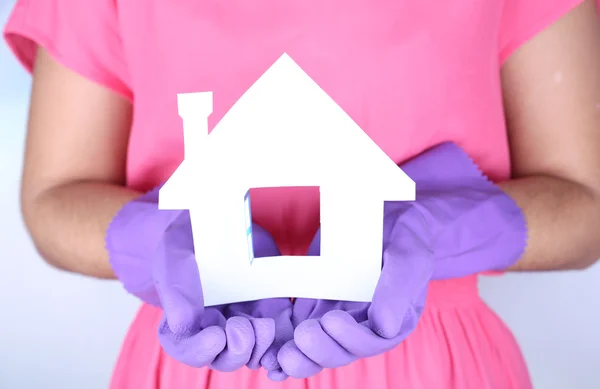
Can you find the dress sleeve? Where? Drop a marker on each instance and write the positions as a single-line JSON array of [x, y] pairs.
[[82, 35], [524, 19]]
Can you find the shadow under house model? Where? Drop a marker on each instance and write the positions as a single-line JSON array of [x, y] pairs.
[[284, 131]]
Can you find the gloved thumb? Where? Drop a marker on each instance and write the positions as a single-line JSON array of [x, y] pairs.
[[399, 297], [263, 243], [177, 279], [315, 246]]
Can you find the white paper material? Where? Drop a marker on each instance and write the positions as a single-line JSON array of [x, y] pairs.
[[284, 131]]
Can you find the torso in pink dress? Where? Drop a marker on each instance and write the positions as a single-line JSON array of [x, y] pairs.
[[411, 73]]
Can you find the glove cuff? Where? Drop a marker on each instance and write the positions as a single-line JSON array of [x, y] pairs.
[[467, 220]]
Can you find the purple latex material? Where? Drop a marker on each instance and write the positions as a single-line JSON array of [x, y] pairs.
[[460, 224], [152, 254]]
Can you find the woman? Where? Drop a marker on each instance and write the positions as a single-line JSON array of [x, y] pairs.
[[103, 129]]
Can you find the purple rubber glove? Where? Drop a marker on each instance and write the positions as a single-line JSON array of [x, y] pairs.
[[460, 224], [331, 334], [152, 253]]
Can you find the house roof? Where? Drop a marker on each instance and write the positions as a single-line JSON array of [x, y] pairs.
[[286, 130]]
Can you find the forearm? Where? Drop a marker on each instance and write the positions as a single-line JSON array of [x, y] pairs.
[[68, 225], [563, 223]]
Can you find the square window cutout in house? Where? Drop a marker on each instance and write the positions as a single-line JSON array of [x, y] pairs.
[[303, 199]]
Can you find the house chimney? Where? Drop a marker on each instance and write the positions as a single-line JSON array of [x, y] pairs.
[[194, 109]]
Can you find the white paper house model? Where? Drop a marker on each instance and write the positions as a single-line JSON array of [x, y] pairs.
[[284, 131]]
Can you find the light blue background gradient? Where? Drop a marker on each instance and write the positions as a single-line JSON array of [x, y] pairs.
[[63, 331]]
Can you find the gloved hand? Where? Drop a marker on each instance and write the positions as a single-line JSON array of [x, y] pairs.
[[152, 253], [326, 331], [303, 310], [460, 224]]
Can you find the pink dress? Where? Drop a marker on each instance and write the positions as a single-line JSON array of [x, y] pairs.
[[411, 73]]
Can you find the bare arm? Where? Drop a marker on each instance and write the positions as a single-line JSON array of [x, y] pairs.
[[74, 167], [552, 101]]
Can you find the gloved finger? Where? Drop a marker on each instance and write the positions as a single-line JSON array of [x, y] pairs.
[[264, 334], [197, 350], [284, 332], [270, 363], [304, 308], [277, 375], [263, 243], [315, 246], [315, 308], [177, 279], [269, 360], [240, 343], [319, 347], [356, 338], [402, 282], [294, 363]]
